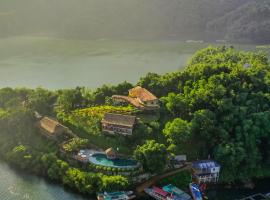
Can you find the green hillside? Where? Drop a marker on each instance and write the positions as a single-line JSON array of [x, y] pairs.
[[238, 20]]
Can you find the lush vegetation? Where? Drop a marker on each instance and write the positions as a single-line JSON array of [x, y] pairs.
[[180, 180], [221, 108], [152, 155], [88, 118], [249, 22], [25, 148], [238, 20], [74, 145], [218, 107]]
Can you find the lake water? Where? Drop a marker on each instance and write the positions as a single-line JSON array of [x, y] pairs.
[[61, 63], [18, 186]]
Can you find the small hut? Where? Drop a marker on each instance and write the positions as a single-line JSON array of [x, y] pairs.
[[111, 154], [51, 127]]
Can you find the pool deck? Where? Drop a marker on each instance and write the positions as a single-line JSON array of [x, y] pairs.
[[84, 156]]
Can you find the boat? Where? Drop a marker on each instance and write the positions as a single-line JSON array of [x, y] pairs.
[[168, 192], [157, 193], [176, 192], [122, 195], [195, 191]]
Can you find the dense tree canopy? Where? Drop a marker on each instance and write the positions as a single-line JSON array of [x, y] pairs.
[[152, 155], [219, 106]]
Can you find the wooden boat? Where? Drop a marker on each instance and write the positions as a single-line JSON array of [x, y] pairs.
[[195, 191], [122, 195]]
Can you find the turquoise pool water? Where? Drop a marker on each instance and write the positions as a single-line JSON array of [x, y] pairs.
[[101, 159]]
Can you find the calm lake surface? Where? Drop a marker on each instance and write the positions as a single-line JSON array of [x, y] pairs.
[[61, 63], [19, 186]]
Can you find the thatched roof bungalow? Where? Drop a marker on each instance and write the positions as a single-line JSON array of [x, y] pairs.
[[51, 127]]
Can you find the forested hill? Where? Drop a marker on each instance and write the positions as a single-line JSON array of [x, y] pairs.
[[249, 22], [236, 20]]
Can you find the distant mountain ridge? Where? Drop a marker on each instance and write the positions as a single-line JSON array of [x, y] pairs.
[[139, 19]]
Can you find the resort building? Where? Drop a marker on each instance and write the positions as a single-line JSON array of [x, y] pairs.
[[205, 171], [51, 128], [139, 97], [118, 124], [168, 192]]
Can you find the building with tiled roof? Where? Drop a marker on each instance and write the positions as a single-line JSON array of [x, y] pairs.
[[139, 97], [205, 171], [118, 123]]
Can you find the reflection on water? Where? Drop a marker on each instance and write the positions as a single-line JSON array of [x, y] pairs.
[[14, 186]]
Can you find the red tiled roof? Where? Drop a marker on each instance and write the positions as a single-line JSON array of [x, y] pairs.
[[142, 93], [132, 101]]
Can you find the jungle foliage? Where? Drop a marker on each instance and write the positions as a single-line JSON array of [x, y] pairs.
[[218, 107]]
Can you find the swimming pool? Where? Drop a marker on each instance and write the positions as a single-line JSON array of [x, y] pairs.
[[101, 159]]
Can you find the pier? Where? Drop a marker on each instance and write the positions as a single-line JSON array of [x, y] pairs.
[[258, 196]]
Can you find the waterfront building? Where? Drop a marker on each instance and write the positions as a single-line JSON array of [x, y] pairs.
[[205, 171]]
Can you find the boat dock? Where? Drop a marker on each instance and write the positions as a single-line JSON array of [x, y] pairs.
[[258, 196]]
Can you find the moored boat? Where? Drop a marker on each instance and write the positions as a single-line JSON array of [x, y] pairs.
[[168, 192], [122, 195], [176, 192], [157, 193], [195, 191]]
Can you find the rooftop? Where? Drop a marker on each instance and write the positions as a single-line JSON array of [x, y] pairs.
[[110, 151], [118, 119], [142, 93], [50, 125], [131, 100], [204, 164]]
